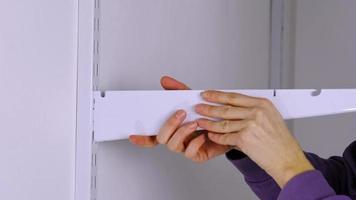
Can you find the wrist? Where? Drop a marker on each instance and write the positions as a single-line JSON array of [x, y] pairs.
[[289, 171], [292, 172]]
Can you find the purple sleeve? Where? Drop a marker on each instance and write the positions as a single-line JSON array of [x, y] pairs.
[[337, 173], [309, 185]]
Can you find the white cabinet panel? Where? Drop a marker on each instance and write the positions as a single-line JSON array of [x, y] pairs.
[[37, 114]]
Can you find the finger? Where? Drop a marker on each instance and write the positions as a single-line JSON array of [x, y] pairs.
[[143, 141], [228, 98], [169, 83], [194, 135], [176, 143], [223, 112], [171, 125], [194, 146], [225, 126], [224, 139]]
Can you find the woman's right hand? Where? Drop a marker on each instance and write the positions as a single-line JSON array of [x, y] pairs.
[[179, 137]]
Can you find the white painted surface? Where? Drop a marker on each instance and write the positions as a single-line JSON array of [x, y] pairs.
[[205, 43], [84, 140], [38, 79], [141, 40], [325, 57], [144, 112]]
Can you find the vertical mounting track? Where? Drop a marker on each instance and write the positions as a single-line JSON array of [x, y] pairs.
[[96, 62], [281, 66], [276, 43], [84, 125]]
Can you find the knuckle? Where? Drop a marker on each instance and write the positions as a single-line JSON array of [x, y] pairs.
[[258, 113], [251, 125], [225, 125], [226, 110], [266, 102], [231, 97], [207, 109]]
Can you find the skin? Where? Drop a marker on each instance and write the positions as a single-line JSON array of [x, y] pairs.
[[179, 137], [249, 124]]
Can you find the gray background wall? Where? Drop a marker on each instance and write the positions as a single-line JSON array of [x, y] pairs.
[[325, 48], [207, 44]]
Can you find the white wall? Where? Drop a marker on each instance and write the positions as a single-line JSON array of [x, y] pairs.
[[325, 47], [205, 43], [38, 89]]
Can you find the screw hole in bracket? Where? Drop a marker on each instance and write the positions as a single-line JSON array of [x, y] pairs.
[[316, 93], [102, 94]]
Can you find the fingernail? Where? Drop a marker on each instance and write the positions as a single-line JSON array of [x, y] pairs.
[[180, 114], [203, 94]]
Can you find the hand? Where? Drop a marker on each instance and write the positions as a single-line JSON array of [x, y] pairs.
[[181, 138], [167, 83], [254, 126]]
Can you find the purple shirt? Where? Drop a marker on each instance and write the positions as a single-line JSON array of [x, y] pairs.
[[333, 179]]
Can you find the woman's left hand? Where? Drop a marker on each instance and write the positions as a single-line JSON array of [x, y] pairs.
[[255, 127]]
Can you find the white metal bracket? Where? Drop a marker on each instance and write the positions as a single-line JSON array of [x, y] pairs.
[[121, 113]]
